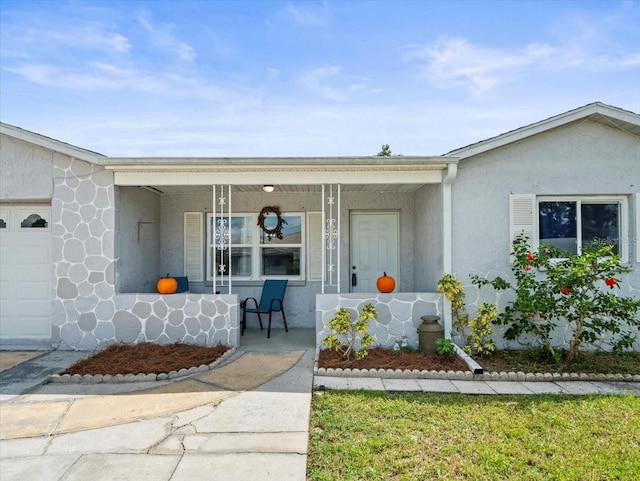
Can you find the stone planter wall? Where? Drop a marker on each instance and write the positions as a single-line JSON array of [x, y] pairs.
[[398, 314]]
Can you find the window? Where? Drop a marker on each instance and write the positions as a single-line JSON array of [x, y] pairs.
[[573, 223], [255, 255]]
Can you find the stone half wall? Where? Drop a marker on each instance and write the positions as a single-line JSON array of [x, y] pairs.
[[398, 314], [87, 313]]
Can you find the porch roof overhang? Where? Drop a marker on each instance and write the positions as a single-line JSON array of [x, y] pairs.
[[279, 171]]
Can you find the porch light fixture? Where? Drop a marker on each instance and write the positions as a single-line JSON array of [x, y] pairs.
[[268, 188]]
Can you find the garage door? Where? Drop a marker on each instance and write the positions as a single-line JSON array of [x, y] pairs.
[[25, 273]]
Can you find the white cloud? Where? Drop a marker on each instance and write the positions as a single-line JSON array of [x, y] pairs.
[[316, 80], [307, 15], [457, 62], [329, 82], [85, 36], [162, 34]]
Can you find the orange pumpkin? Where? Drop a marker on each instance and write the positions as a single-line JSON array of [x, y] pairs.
[[167, 285], [386, 283]]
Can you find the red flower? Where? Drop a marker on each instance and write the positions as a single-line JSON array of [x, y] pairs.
[[610, 281], [527, 268], [530, 256], [565, 291]]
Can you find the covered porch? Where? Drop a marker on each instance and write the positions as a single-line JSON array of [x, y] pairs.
[[346, 221]]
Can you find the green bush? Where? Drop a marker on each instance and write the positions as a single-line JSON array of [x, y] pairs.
[[555, 289], [346, 331]]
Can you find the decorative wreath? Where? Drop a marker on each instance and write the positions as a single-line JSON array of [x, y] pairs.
[[277, 230]]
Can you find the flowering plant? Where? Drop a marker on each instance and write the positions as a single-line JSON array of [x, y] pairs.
[[554, 288]]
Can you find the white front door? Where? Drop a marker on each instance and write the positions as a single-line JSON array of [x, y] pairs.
[[25, 272], [374, 249]]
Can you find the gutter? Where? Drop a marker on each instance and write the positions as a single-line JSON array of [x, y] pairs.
[[447, 240]]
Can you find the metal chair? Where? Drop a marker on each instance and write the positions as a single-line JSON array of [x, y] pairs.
[[271, 300], [183, 284]]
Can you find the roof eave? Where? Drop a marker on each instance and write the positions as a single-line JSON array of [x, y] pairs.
[[565, 118], [49, 143]]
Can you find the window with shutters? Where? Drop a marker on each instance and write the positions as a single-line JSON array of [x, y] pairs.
[[571, 222], [255, 255]]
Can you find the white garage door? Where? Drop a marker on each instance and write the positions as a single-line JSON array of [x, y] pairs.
[[25, 273]]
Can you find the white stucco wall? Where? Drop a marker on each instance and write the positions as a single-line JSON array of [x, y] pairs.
[[138, 259], [26, 170], [428, 247], [585, 158]]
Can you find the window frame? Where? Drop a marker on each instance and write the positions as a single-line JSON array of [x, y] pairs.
[[623, 227], [256, 247]]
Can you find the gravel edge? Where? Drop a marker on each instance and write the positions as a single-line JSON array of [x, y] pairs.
[[141, 377], [471, 374]]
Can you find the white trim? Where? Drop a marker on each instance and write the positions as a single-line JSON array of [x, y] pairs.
[[623, 227], [630, 118], [447, 241], [256, 248], [293, 175]]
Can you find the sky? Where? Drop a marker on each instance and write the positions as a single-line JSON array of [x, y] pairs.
[[307, 78]]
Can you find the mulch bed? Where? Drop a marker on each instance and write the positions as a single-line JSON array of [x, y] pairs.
[[146, 358], [384, 358]]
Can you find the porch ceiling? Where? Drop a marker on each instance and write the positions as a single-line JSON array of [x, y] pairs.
[[284, 189]]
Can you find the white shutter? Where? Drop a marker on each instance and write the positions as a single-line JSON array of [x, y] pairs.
[[193, 246], [523, 218], [314, 246], [637, 242]]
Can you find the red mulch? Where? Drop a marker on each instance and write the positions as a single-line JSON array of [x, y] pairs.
[[146, 358], [384, 358]]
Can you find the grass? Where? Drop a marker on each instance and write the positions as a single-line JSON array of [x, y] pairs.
[[383, 436], [538, 360]]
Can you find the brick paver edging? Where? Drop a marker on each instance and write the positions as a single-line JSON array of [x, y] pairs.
[[141, 377], [468, 375]]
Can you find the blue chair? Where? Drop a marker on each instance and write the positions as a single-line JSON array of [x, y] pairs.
[[271, 300], [183, 284]]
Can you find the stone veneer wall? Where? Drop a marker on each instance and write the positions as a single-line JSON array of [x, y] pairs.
[[398, 314], [87, 313]]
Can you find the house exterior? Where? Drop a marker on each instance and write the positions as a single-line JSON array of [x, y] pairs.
[[567, 180], [84, 237]]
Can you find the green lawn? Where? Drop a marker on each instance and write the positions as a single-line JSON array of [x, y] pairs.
[[383, 436]]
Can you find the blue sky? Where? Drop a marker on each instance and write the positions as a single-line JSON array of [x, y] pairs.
[[263, 78]]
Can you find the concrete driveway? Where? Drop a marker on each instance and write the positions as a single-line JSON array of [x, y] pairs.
[[247, 419]]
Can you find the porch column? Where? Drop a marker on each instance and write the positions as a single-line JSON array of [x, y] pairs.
[[221, 237], [331, 238]]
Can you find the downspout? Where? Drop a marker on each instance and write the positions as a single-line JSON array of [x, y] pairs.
[[447, 240]]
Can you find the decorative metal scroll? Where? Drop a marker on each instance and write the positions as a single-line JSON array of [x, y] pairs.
[[221, 237], [331, 238]]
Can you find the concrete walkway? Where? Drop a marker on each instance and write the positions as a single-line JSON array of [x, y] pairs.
[[477, 387], [244, 420]]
